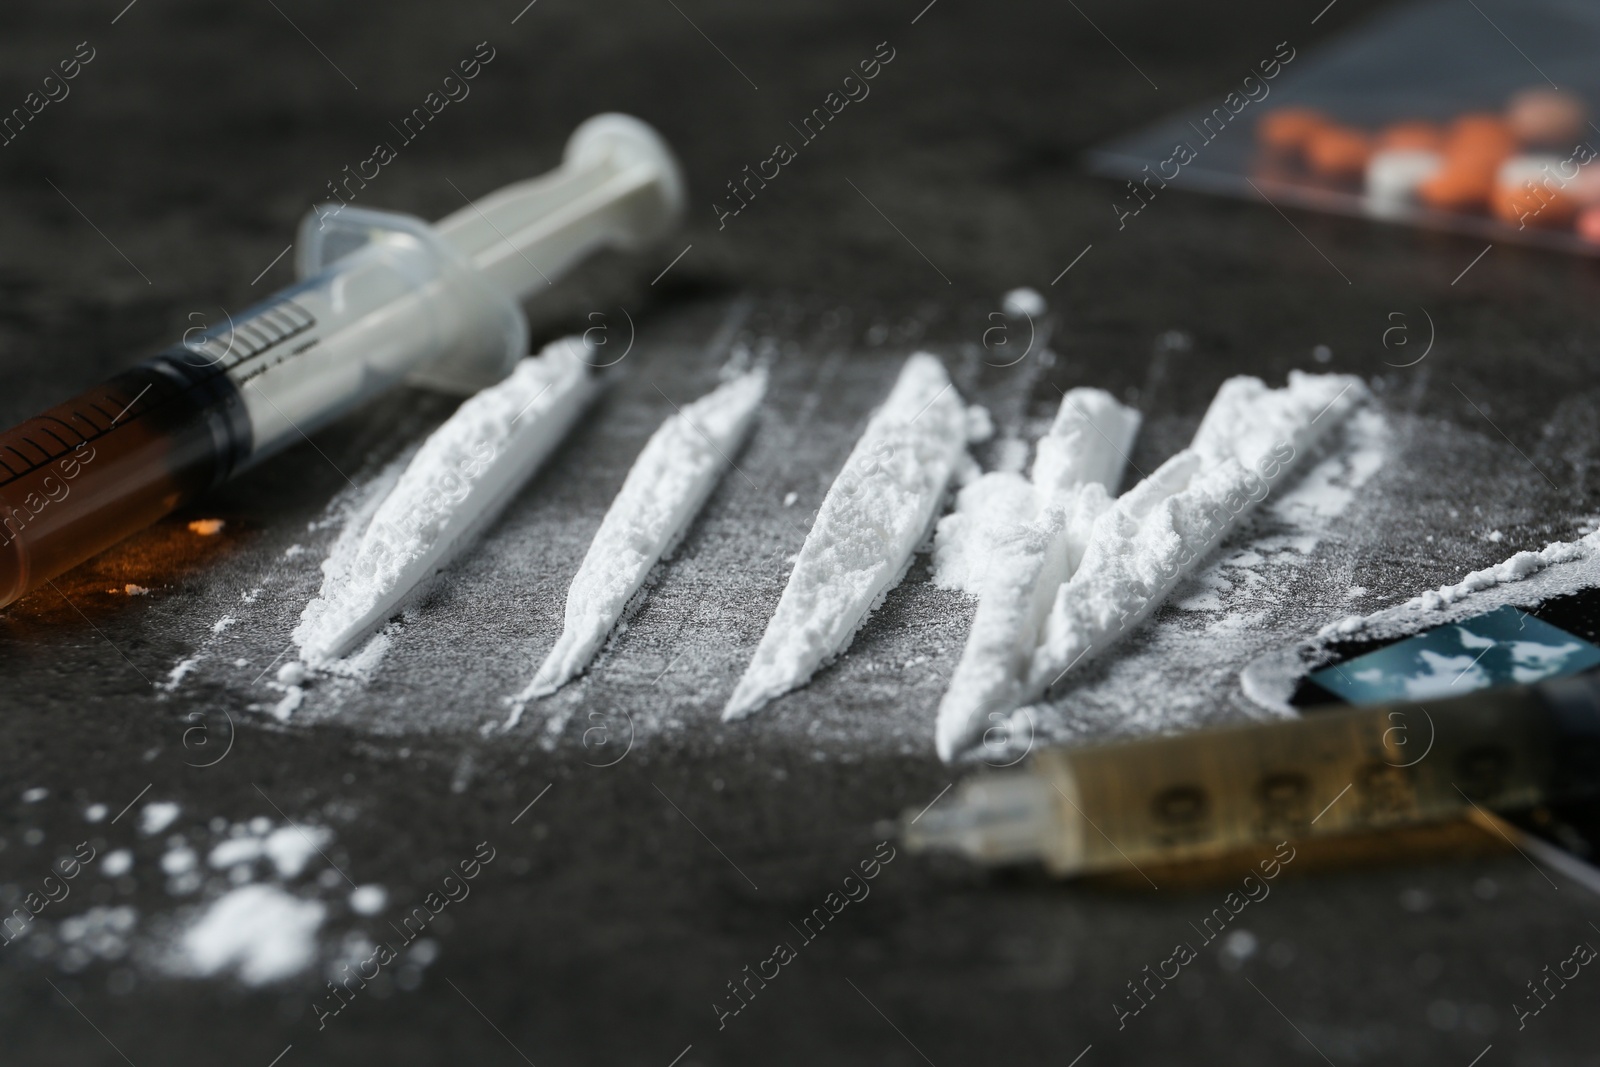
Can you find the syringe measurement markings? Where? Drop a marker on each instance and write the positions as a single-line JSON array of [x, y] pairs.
[[97, 431], [112, 421], [64, 446], [29, 466]]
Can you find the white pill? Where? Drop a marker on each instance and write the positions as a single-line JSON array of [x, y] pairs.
[[1395, 174], [1533, 167]]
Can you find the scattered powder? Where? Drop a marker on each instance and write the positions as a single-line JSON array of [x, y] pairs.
[[1163, 528], [290, 703], [289, 848], [34, 795], [234, 851], [222, 624], [292, 673], [1020, 302], [293, 550], [1496, 536], [259, 932], [456, 484], [663, 492], [134, 590], [177, 674], [1015, 541], [99, 933], [874, 515], [157, 816], [207, 527], [368, 899], [178, 860]]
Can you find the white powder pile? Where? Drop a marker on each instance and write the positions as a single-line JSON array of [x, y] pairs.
[[876, 512], [663, 492], [1159, 531], [1016, 541], [459, 480], [1087, 443], [260, 932]]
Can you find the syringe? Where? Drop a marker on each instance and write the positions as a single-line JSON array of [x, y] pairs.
[[384, 298], [1330, 772]]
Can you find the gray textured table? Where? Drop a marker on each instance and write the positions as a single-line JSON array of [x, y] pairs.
[[620, 905]]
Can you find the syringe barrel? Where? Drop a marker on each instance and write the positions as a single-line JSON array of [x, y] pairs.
[[1330, 772], [87, 473], [1326, 773]]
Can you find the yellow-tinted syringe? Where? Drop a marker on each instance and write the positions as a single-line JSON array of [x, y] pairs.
[[1330, 772]]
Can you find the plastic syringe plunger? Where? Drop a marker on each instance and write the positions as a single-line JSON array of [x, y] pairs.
[[383, 298]]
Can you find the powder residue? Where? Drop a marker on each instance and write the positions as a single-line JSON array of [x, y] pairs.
[[665, 488], [460, 478], [1162, 529], [876, 512], [180, 671]]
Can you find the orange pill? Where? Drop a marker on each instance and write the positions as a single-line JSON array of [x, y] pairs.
[[1287, 129], [1543, 116], [1585, 185], [1589, 224], [1424, 136], [1338, 151], [1481, 135], [1529, 205], [1462, 184]]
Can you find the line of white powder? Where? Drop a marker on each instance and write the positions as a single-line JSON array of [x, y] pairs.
[[459, 480], [877, 511], [1024, 553], [664, 490], [1162, 529]]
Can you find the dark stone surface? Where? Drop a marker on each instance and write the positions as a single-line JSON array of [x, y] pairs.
[[608, 923]]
